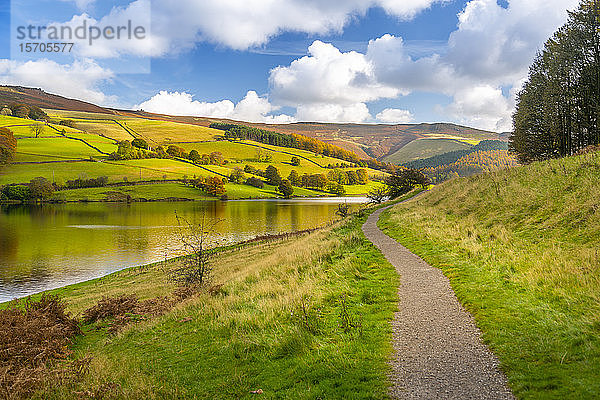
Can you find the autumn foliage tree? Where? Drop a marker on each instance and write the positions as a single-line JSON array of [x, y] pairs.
[[215, 186], [8, 146]]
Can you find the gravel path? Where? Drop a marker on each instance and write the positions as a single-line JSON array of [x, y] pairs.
[[438, 353]]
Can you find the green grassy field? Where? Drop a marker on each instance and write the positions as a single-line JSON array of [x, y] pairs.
[[520, 247], [101, 131], [425, 148], [470, 141], [253, 335]]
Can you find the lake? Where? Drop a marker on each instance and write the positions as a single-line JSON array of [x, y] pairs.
[[45, 247]]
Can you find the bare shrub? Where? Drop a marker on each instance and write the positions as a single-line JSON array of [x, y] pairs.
[[123, 310], [195, 268], [343, 210], [33, 334]]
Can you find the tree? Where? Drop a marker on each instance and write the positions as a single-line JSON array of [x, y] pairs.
[[17, 192], [176, 151], [20, 110], [6, 112], [257, 183], [377, 195], [343, 210], [336, 188], [195, 270], [139, 143], [286, 188], [558, 109], [237, 176], [194, 156], [37, 129], [404, 181], [363, 176], [272, 176], [216, 158], [40, 188], [294, 178], [296, 161], [215, 187], [352, 177], [8, 146]]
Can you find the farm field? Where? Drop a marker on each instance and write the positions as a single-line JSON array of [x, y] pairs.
[[63, 153]]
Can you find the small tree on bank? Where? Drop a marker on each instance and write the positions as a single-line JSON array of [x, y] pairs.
[[286, 188], [272, 176], [8, 146], [40, 189], [377, 195], [404, 181]]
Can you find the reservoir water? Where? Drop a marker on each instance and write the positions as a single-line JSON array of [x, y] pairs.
[[45, 247]]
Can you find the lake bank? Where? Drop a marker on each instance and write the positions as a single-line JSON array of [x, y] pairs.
[[305, 317]]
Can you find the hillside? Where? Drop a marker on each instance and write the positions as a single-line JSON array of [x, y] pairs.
[[76, 148], [39, 98], [366, 140], [520, 247]]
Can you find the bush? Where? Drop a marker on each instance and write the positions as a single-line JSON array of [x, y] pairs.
[[404, 181], [257, 183], [237, 176], [40, 188], [87, 183], [32, 334], [18, 192], [286, 188], [140, 143]]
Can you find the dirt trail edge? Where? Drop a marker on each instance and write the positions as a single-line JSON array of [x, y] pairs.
[[438, 352]]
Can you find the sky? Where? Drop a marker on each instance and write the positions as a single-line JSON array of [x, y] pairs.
[[281, 61]]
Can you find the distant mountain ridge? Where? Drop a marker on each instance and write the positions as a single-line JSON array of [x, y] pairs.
[[366, 140]]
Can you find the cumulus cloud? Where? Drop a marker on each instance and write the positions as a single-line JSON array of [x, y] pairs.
[[329, 112], [252, 108], [118, 42], [80, 80], [327, 75], [491, 49], [244, 24], [395, 116]]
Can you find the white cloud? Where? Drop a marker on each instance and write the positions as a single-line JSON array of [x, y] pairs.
[[482, 106], [243, 24], [119, 42], [181, 103], [252, 108], [80, 80], [327, 75], [395, 116], [81, 4], [328, 112]]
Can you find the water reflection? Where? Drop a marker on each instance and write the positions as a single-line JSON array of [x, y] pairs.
[[54, 245]]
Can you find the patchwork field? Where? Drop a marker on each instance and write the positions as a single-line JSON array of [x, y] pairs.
[[63, 153]]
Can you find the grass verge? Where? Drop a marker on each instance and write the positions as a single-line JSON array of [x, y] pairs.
[[521, 250]]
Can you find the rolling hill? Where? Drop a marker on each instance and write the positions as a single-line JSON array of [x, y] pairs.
[[366, 140]]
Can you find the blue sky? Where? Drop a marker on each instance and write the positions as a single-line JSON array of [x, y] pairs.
[[393, 61]]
